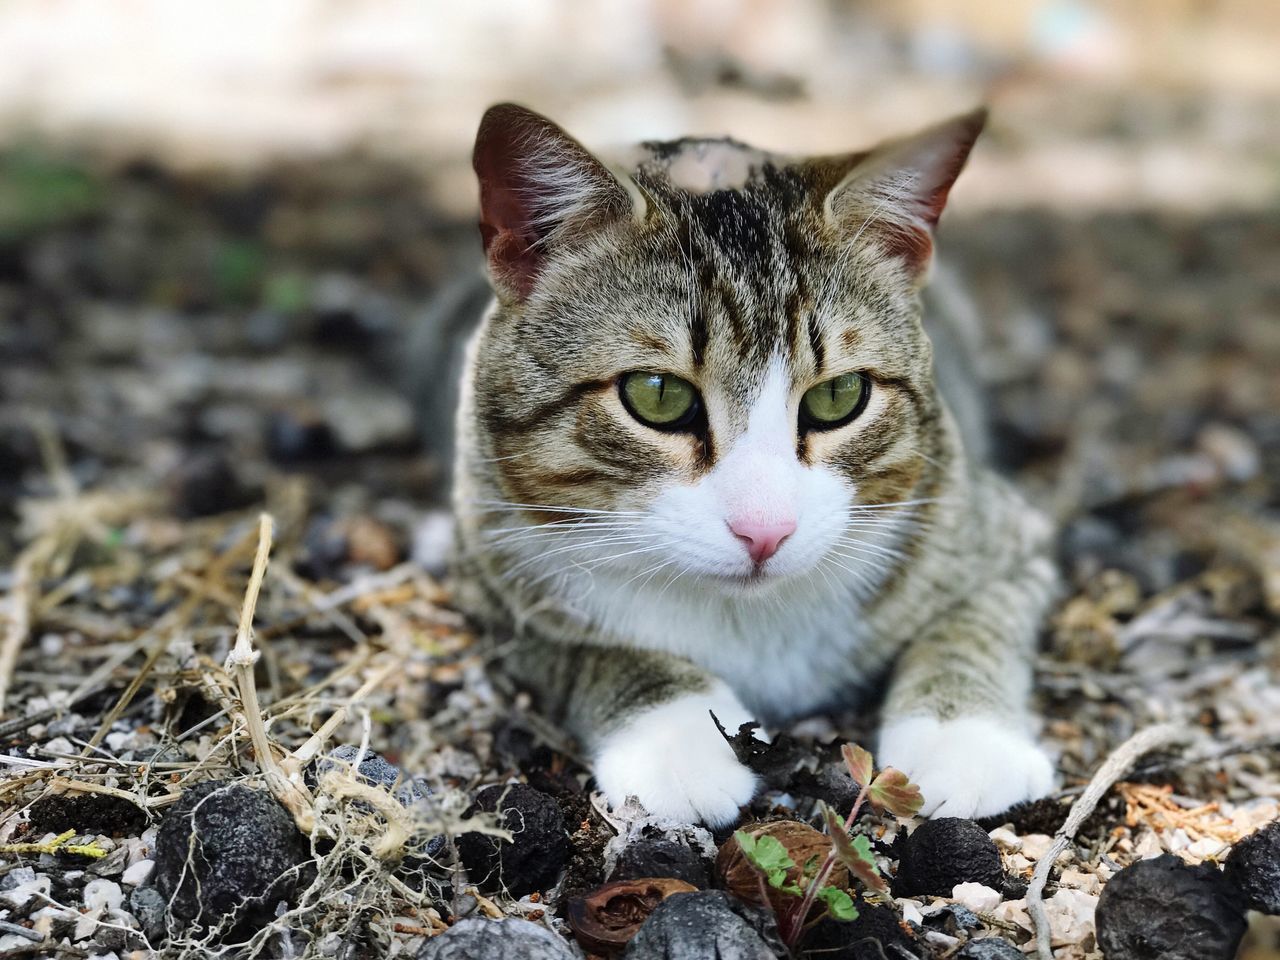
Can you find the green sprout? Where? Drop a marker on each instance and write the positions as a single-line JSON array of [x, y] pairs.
[[888, 792]]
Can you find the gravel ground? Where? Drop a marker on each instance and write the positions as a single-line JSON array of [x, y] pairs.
[[180, 353]]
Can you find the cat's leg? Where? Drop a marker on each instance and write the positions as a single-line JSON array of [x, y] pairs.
[[645, 719], [956, 718]]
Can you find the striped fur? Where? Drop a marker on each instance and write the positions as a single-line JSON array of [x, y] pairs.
[[598, 544]]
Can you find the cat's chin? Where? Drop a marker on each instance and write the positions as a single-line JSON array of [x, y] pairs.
[[751, 583]]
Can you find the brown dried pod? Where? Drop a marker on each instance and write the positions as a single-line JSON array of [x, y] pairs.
[[609, 916], [802, 843]]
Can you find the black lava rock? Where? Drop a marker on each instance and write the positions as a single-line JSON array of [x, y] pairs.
[[1254, 867], [992, 948], [709, 923], [662, 857], [944, 852], [538, 848], [871, 936], [1163, 909], [227, 854], [87, 812], [475, 939]]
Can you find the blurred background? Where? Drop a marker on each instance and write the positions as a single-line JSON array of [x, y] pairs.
[[237, 256]]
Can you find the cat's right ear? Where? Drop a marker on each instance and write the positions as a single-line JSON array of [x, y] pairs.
[[539, 188]]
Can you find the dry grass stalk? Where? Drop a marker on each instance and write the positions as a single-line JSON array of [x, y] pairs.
[[240, 662]]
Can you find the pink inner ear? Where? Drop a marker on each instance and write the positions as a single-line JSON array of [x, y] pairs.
[[506, 217]]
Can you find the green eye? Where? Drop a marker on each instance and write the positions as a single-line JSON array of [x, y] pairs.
[[834, 402], [659, 400]]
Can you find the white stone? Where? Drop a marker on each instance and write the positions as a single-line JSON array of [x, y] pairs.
[[1080, 880], [1070, 914], [119, 740], [976, 896], [103, 893], [910, 910], [86, 924], [137, 873], [23, 892], [1006, 839], [1036, 845], [60, 745], [1014, 911]]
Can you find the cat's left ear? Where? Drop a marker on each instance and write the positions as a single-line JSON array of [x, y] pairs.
[[539, 189], [894, 194]]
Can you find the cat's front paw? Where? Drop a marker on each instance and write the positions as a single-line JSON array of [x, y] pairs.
[[967, 767], [675, 762]]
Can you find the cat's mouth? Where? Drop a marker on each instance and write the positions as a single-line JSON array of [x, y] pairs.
[[759, 577]]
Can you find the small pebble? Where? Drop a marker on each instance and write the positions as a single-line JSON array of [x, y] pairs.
[[137, 874], [103, 893], [976, 896]]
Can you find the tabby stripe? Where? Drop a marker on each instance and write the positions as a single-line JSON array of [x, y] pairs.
[[815, 344], [545, 411]]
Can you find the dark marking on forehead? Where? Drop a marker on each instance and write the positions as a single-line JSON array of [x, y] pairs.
[[815, 344], [699, 334], [735, 222]]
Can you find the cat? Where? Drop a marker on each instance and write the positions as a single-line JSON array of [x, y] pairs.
[[704, 467]]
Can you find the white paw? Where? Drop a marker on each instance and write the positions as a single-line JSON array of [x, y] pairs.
[[969, 767], [675, 762]]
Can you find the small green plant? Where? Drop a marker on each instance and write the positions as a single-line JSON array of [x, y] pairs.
[[889, 792]]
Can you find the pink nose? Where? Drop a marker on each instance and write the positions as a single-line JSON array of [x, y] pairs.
[[762, 538]]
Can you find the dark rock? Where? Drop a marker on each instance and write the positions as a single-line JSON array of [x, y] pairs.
[[206, 483], [662, 857], [87, 813], [298, 437], [227, 854], [709, 923], [1014, 887], [476, 939], [944, 852], [151, 909], [992, 948], [1254, 867], [1163, 909], [538, 848], [953, 919], [872, 936]]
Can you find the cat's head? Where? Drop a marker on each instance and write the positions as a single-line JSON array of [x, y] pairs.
[[711, 365]]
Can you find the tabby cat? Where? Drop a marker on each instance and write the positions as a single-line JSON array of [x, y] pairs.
[[704, 466]]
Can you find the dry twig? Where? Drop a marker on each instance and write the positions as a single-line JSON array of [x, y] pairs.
[[1116, 766]]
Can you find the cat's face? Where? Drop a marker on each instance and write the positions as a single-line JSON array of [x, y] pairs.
[[730, 386]]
